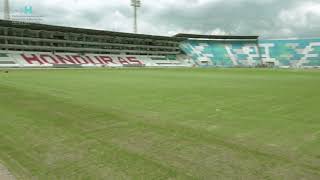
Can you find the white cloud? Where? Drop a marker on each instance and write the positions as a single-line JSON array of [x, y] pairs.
[[218, 31], [268, 18], [300, 16]]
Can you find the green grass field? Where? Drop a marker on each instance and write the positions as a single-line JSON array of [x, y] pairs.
[[160, 124]]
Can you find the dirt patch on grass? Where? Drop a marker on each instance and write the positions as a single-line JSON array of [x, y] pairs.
[[5, 174]]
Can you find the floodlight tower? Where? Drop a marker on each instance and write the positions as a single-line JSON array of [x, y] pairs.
[[6, 10], [135, 4]]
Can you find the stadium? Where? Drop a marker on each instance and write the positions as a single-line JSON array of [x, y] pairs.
[[79, 103], [38, 45]]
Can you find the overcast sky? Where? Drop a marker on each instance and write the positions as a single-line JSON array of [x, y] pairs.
[[267, 18]]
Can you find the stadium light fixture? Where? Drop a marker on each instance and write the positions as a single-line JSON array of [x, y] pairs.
[[135, 4], [6, 10]]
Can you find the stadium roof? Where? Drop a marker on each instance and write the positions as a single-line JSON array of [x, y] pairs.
[[226, 37], [35, 26]]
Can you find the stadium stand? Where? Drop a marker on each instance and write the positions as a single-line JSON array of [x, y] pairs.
[[248, 51], [39, 45], [291, 53], [72, 60], [7, 61], [222, 54], [222, 51]]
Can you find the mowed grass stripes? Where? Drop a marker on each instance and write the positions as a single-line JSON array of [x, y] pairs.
[[160, 124]]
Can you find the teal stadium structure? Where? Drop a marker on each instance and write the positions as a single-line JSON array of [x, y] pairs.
[[286, 53]]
